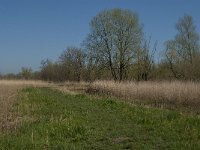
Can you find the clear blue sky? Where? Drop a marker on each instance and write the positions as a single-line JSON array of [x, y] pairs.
[[32, 30]]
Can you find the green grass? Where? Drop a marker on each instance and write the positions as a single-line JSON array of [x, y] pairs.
[[53, 120]]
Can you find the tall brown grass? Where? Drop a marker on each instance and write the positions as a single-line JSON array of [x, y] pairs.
[[174, 94], [23, 83]]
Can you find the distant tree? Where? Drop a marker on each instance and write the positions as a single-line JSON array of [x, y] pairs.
[[72, 61], [36, 75], [11, 76], [182, 52], [47, 70], [145, 60], [114, 40], [26, 73]]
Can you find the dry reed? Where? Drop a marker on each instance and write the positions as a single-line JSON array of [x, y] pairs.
[[23, 83], [163, 94]]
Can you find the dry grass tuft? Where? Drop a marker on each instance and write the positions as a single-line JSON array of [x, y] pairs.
[[161, 94]]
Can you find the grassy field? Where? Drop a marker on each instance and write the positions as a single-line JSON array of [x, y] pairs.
[[51, 119], [9, 90]]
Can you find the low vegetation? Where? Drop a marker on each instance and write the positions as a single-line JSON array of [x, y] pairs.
[[173, 95], [53, 120], [9, 90]]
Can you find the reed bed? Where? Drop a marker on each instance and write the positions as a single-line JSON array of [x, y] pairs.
[[174, 94], [23, 83]]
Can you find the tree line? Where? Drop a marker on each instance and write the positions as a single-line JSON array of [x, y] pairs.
[[116, 49]]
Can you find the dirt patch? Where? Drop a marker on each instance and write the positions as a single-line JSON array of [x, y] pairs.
[[121, 140]]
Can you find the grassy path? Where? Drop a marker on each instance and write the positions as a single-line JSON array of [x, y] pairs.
[[53, 120]]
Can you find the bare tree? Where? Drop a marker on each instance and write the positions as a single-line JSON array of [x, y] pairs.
[[72, 60], [147, 59], [182, 51], [26, 73]]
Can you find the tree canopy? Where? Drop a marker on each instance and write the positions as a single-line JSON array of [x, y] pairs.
[[114, 40]]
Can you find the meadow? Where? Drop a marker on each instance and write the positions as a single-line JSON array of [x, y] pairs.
[[40, 115], [9, 91]]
